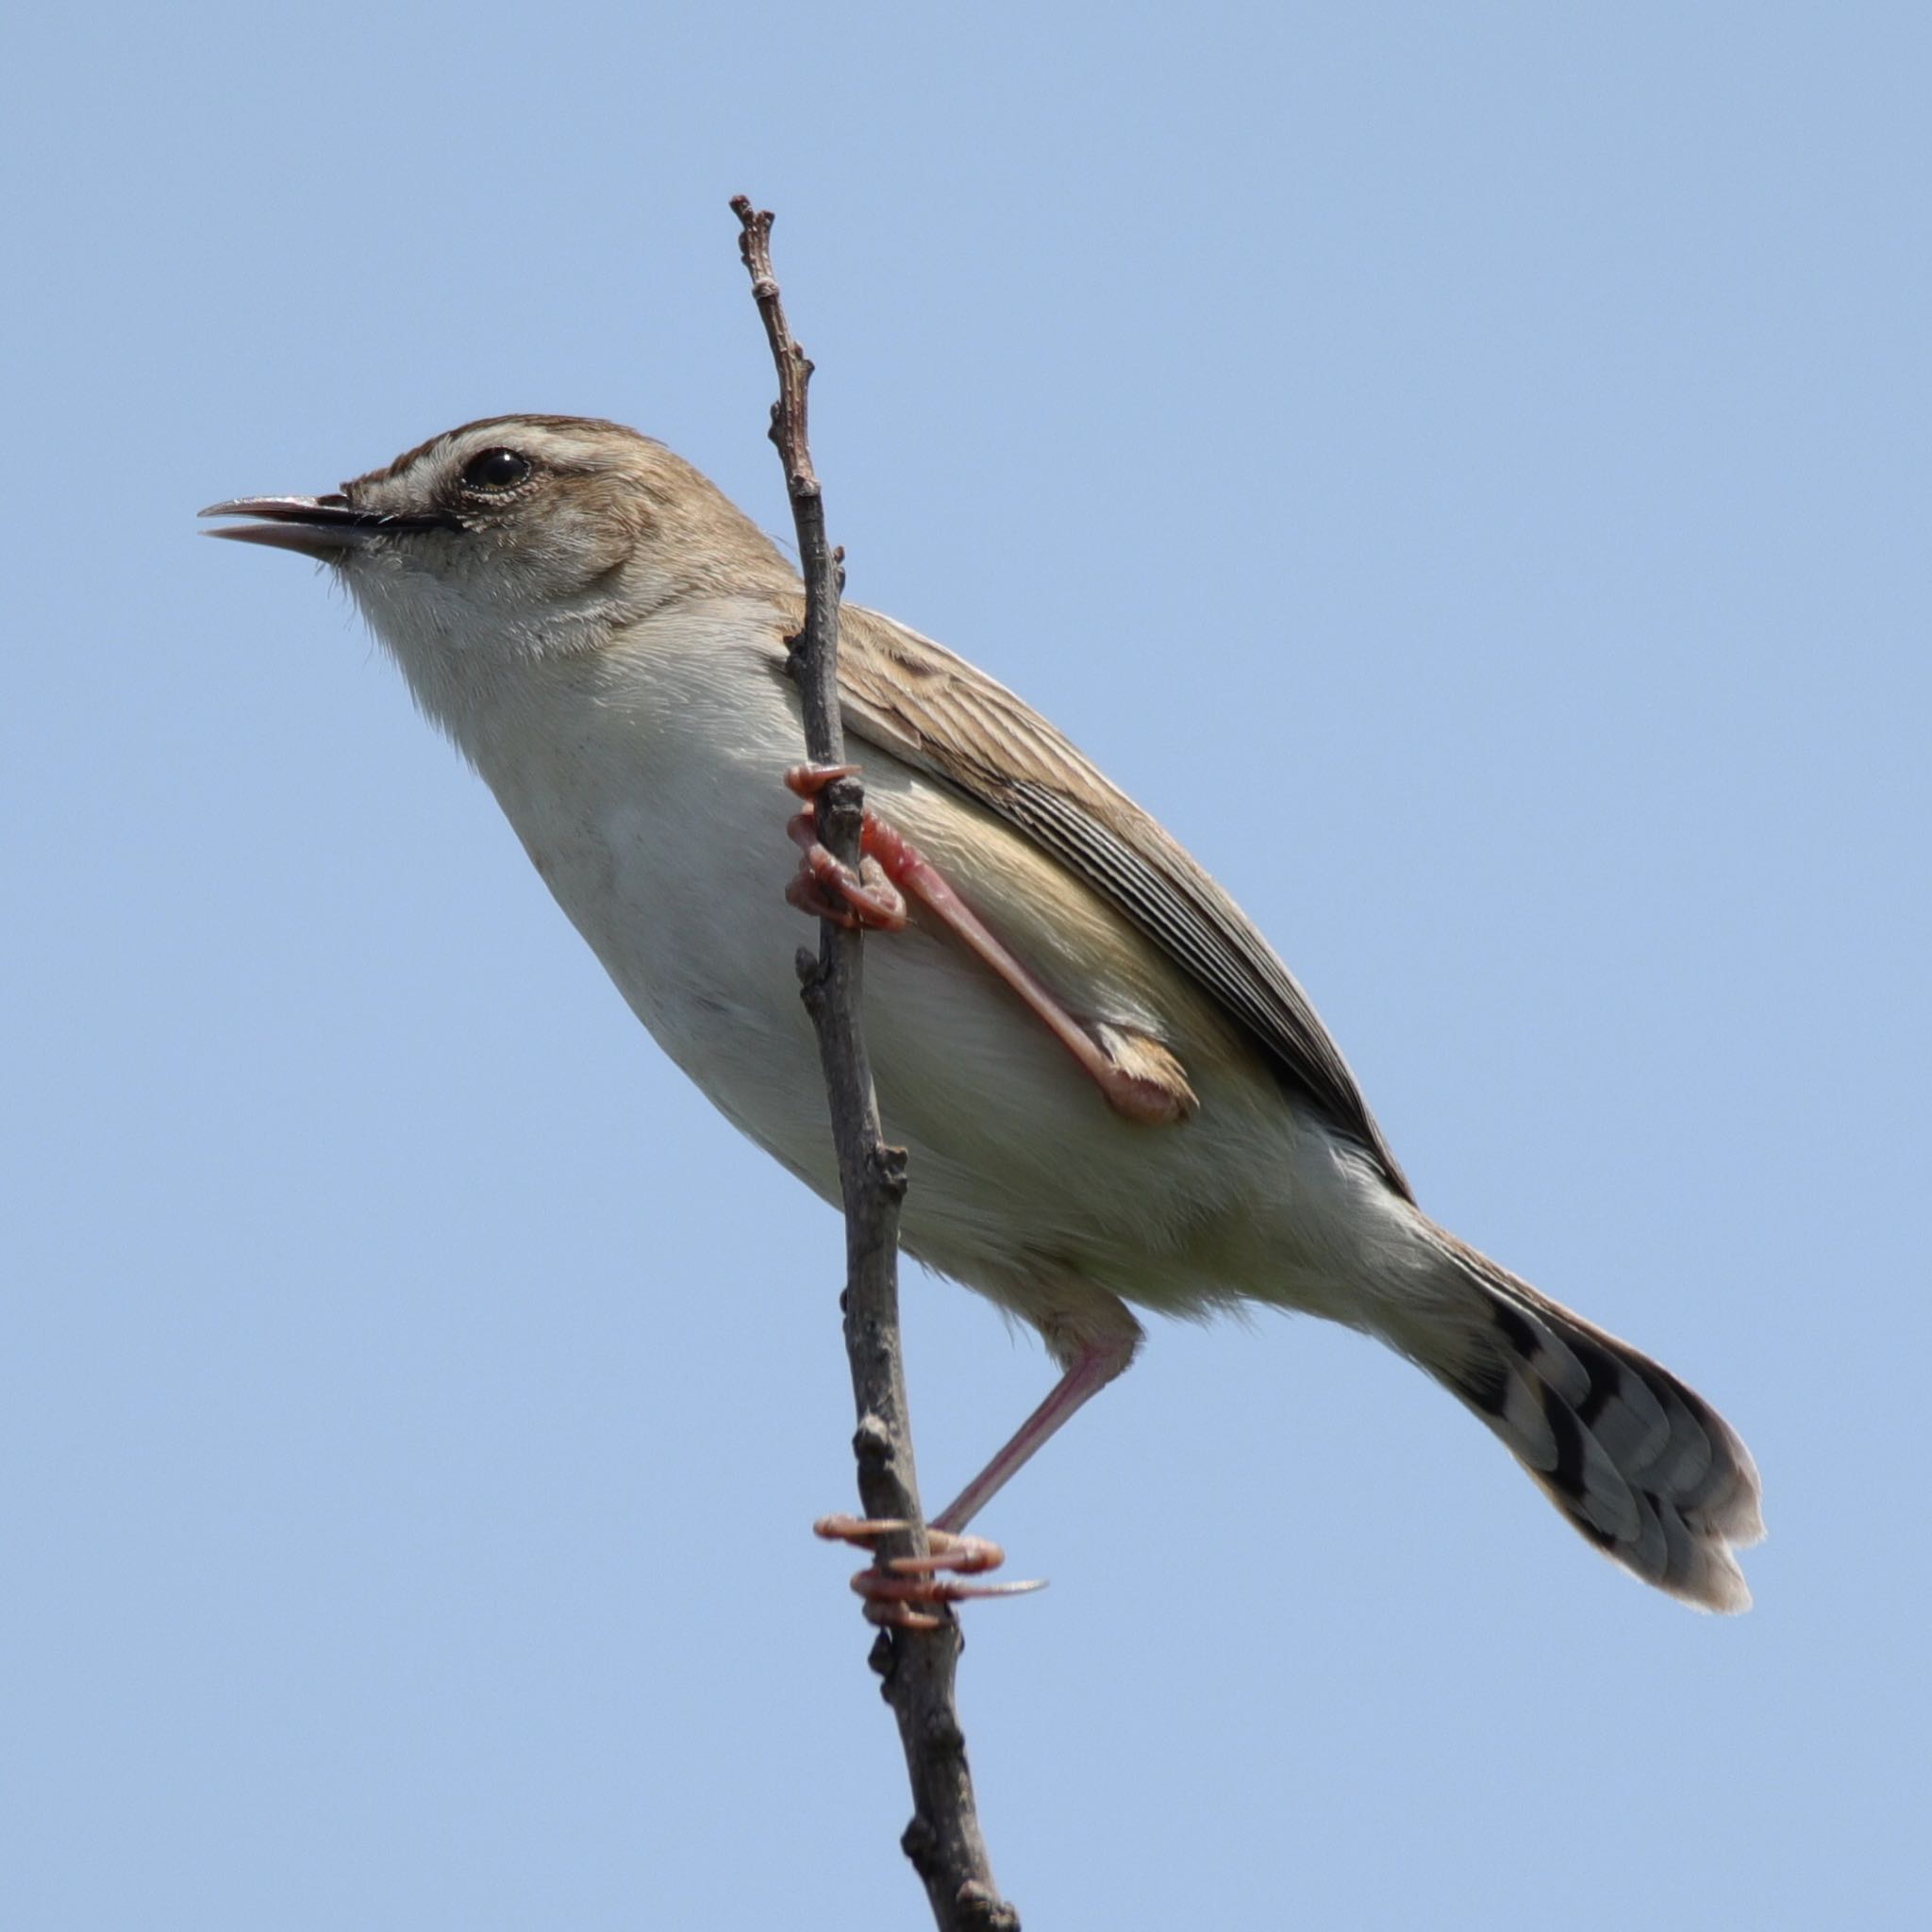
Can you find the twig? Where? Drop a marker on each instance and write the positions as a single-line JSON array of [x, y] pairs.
[[917, 1666]]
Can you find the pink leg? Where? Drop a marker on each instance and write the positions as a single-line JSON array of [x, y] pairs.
[[1090, 1370], [834, 891], [911, 1592]]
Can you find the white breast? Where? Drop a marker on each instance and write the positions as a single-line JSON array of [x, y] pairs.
[[645, 786]]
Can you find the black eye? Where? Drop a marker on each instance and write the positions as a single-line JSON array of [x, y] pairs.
[[496, 469]]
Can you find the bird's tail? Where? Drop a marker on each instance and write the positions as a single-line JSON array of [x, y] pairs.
[[1642, 1465]]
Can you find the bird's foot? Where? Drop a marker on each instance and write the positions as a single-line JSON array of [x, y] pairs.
[[916, 1592], [810, 780], [1139, 1078], [825, 885], [826, 888]]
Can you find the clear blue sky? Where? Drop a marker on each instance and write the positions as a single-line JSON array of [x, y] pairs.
[[1466, 468]]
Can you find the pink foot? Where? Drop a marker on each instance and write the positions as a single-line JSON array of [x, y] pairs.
[[810, 780], [1152, 1089], [914, 1592], [825, 885]]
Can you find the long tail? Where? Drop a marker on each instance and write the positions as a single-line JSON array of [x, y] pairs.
[[1642, 1465]]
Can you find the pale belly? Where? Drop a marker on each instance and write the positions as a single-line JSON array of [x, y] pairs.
[[664, 841]]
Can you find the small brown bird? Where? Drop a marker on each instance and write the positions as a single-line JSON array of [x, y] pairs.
[[1110, 1088]]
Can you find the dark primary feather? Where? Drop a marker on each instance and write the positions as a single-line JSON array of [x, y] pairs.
[[1635, 1460], [938, 712], [1638, 1461]]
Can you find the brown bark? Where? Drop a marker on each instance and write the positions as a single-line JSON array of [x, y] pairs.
[[917, 1666]]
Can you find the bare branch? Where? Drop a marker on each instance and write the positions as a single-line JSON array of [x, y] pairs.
[[917, 1665]]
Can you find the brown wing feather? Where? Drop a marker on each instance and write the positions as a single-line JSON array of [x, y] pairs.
[[914, 698]]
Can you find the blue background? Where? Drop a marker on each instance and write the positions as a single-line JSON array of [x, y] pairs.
[[1464, 467]]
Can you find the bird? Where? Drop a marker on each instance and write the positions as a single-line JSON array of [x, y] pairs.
[[1113, 1094]]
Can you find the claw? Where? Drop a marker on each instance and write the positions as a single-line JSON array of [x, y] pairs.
[[810, 897], [810, 780], [863, 896], [898, 1591]]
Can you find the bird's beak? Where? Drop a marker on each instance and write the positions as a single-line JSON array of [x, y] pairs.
[[327, 528]]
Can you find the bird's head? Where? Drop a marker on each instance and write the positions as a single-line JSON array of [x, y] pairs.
[[519, 537]]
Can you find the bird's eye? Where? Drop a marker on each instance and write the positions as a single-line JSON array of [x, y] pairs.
[[496, 470]]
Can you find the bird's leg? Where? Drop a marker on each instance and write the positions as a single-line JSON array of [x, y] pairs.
[[910, 1592], [1096, 1364], [892, 870]]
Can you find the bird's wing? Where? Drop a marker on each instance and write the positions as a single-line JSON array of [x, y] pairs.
[[915, 699]]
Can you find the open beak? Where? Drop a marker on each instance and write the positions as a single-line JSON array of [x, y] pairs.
[[325, 528]]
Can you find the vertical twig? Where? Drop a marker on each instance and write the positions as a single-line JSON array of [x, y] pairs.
[[917, 1666]]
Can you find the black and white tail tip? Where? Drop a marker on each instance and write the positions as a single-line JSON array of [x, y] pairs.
[[1642, 1465]]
